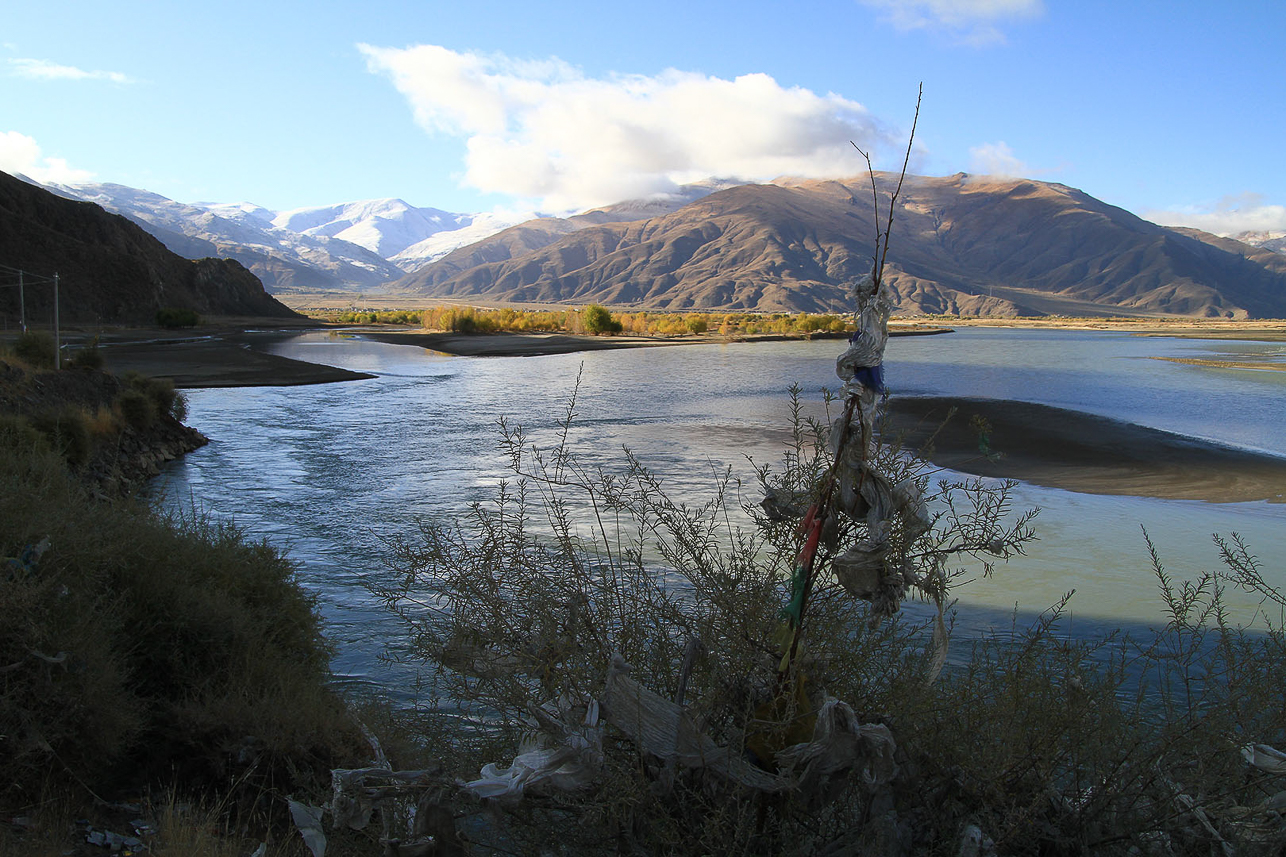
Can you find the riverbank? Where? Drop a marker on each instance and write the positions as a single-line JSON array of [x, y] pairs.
[[1082, 452], [1260, 330]]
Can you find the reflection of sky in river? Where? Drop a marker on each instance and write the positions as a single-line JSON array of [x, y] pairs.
[[333, 471]]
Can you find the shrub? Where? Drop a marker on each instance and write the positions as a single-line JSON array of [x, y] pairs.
[[35, 347], [89, 357], [174, 317], [138, 408], [144, 400], [19, 435], [67, 431], [137, 646], [597, 319], [179, 406], [1034, 740]]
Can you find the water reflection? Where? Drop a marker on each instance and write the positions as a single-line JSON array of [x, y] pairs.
[[332, 472]]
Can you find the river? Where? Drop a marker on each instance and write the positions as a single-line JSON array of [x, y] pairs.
[[331, 472]]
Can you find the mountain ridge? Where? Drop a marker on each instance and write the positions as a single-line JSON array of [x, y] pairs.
[[110, 269], [966, 245]]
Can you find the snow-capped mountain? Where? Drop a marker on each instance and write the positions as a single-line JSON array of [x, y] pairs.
[[421, 253], [1275, 241], [386, 227], [339, 247], [354, 246]]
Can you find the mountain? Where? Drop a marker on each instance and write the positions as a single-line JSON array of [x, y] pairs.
[[970, 245], [1275, 241], [526, 237], [109, 269], [356, 246], [285, 260], [385, 227]]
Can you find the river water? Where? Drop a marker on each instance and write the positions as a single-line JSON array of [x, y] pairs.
[[331, 472]]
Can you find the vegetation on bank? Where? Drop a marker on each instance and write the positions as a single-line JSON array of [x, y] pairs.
[[142, 652], [85, 415], [595, 319]]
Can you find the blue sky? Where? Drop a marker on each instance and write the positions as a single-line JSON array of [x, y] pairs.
[[1174, 110]]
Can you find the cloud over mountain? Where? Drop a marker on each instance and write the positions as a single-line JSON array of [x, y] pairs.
[[21, 154], [997, 159], [1232, 215], [544, 131]]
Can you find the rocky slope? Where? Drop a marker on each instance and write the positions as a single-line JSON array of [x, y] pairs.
[[109, 269], [117, 458], [962, 245]]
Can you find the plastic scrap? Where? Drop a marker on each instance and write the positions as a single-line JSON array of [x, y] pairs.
[[565, 754], [308, 819], [866, 346], [975, 843], [27, 561], [840, 743], [664, 729], [357, 792], [1265, 758], [113, 841]]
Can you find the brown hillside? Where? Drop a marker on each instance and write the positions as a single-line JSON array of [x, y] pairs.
[[109, 269], [961, 245]]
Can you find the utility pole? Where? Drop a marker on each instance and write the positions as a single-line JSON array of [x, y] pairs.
[[58, 354], [22, 305]]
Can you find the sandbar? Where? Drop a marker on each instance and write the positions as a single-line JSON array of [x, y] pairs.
[[227, 360], [1083, 452]]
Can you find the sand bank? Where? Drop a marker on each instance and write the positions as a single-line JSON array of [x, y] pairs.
[[230, 360], [1086, 453]]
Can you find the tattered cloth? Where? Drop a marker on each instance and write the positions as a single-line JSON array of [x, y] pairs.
[[563, 756], [841, 744]]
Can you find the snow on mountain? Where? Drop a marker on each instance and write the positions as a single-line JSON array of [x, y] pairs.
[[356, 245], [283, 258], [440, 244], [386, 227], [241, 212], [1275, 241]]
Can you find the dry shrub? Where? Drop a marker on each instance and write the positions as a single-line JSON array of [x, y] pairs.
[[532, 595], [137, 408], [67, 430], [141, 647], [1032, 742], [36, 349]]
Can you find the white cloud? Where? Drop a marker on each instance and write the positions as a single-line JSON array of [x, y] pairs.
[[973, 22], [545, 132], [997, 159], [46, 70], [20, 154], [1231, 215]]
